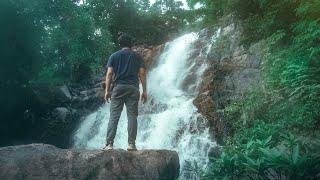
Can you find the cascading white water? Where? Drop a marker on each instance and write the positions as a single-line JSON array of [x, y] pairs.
[[169, 120]]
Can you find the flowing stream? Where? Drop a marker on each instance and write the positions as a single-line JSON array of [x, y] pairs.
[[169, 120]]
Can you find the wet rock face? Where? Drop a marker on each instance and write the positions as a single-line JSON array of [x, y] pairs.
[[88, 98], [232, 71], [41, 161], [150, 54], [59, 109]]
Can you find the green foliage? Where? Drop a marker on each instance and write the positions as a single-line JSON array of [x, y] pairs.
[[19, 41], [149, 24], [273, 129], [53, 42], [258, 159], [212, 10], [74, 43], [75, 40], [60, 36], [293, 66]]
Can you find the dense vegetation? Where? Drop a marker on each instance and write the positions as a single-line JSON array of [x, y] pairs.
[[47, 43], [275, 129]]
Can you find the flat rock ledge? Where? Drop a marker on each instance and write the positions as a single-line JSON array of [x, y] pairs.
[[43, 161]]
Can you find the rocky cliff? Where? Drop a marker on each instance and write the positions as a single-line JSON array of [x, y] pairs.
[[232, 71], [41, 161]]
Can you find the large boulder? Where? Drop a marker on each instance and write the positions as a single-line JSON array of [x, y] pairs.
[[89, 99], [42, 161]]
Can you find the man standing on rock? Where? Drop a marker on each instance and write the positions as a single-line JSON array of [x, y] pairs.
[[124, 69]]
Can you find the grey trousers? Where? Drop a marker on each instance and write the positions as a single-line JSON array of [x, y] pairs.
[[128, 95]]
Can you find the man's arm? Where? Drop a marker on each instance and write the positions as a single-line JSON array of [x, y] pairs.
[[143, 79], [107, 95]]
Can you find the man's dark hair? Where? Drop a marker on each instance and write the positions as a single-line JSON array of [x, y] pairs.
[[125, 40]]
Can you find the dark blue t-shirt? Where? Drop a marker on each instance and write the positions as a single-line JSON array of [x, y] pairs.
[[126, 65]]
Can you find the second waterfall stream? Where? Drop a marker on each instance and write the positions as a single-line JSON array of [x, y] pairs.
[[169, 120]]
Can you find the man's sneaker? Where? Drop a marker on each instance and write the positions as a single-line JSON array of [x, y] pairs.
[[108, 147], [132, 147]]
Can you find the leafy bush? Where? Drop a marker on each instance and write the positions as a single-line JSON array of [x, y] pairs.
[[258, 159], [273, 129]]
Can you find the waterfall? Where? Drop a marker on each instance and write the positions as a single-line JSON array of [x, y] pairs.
[[169, 120]]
